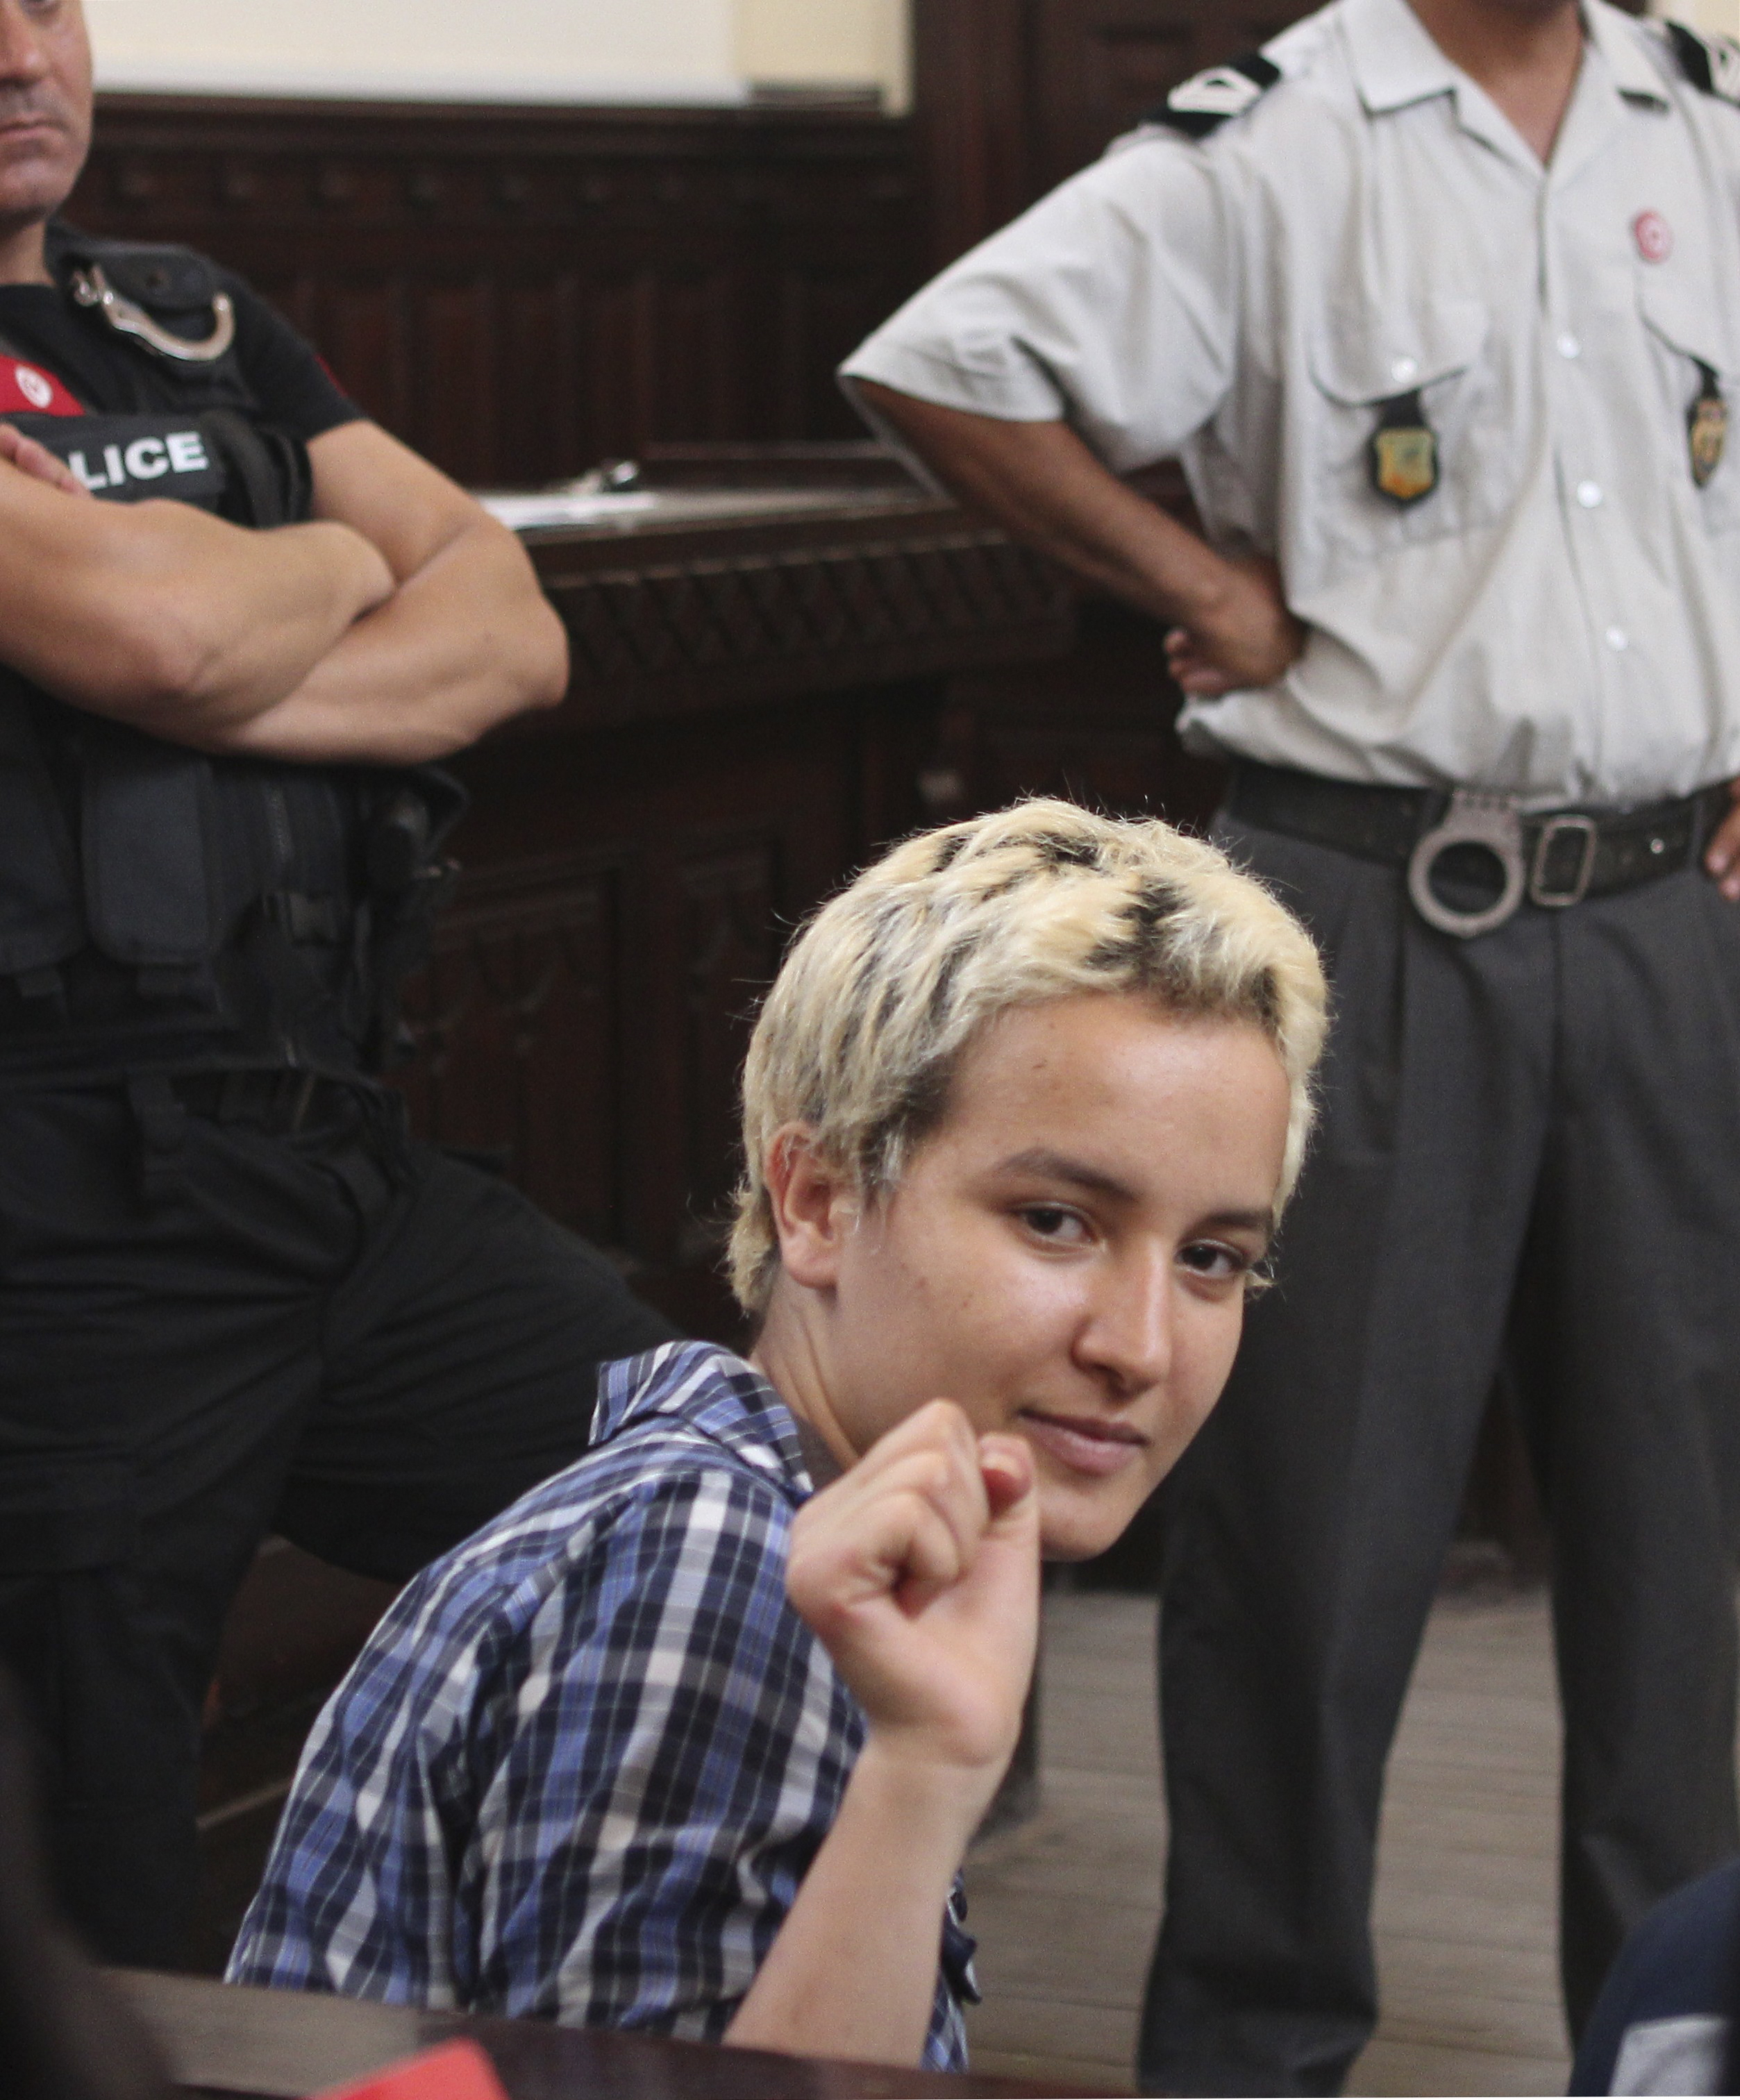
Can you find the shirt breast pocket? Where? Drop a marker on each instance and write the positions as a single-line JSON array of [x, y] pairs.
[[1427, 368], [1698, 372]]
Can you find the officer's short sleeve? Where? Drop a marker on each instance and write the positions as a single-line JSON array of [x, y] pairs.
[[1112, 305], [288, 378]]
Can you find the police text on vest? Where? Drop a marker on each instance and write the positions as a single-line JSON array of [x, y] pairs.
[[145, 459]]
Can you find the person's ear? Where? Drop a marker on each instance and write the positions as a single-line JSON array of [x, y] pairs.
[[814, 1206]]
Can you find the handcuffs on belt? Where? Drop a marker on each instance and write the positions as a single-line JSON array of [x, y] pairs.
[[91, 288], [1495, 824]]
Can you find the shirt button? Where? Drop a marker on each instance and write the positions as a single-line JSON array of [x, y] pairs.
[[1569, 346], [1589, 494], [1618, 639], [1404, 370]]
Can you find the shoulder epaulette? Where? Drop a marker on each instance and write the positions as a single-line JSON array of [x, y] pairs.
[[1709, 62], [1204, 103]]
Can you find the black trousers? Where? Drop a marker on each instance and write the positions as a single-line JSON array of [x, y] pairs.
[[1529, 1150], [211, 1328]]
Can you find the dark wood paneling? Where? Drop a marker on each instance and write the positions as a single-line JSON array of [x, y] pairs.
[[972, 87], [586, 1021], [515, 1018], [731, 898], [521, 292]]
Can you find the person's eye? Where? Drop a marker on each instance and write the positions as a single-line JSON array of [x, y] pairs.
[[1055, 1223], [1216, 1261]]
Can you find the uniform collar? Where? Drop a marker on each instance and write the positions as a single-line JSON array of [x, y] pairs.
[[1620, 41], [1396, 62]]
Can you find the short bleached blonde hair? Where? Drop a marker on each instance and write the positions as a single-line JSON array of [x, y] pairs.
[[883, 990]]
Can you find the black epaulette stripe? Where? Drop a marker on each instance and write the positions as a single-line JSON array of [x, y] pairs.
[[1197, 123], [1711, 69], [1693, 56]]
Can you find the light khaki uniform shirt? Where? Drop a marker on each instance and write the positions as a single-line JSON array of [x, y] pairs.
[[1560, 619]]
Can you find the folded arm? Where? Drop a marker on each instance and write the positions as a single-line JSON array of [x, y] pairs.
[[1229, 623], [398, 625], [158, 615], [466, 639]]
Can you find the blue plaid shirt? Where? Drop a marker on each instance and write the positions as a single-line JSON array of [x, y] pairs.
[[583, 1763]]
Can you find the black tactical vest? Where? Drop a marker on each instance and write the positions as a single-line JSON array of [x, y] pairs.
[[159, 908]]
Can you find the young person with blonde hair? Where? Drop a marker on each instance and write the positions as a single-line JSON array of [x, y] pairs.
[[693, 1738]]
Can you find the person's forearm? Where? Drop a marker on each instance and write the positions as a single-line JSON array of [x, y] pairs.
[[1231, 623], [275, 611], [468, 641], [164, 617], [853, 1971], [1041, 483]]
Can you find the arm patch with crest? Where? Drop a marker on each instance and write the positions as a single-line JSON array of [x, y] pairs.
[[1711, 63], [1203, 103]]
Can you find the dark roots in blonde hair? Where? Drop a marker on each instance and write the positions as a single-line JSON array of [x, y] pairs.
[[880, 995]]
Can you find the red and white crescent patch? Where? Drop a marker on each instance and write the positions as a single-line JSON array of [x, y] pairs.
[[1653, 236], [27, 390]]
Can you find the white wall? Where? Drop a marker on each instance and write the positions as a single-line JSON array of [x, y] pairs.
[[1722, 15], [653, 51], [542, 50], [849, 41]]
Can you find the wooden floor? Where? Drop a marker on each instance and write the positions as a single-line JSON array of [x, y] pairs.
[[1065, 1908]]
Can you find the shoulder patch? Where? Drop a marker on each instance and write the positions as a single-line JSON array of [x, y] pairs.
[[1709, 62], [1202, 104]]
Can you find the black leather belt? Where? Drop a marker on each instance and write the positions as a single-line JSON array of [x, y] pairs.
[[1472, 861]]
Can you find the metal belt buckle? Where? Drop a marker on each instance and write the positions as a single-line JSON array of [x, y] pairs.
[[1551, 832], [1479, 820]]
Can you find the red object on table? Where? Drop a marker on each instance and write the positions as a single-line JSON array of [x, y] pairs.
[[456, 2071]]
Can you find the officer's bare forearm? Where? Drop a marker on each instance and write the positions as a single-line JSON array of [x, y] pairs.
[[467, 642], [160, 616], [1230, 624], [1043, 485], [291, 598]]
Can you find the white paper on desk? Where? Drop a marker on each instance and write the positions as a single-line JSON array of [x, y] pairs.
[[521, 514]]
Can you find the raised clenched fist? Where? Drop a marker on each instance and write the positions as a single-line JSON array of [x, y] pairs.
[[919, 1572]]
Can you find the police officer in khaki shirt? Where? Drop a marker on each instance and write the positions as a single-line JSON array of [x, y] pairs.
[[1438, 300]]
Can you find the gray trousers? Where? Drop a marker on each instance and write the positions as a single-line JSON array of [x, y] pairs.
[[1529, 1153]]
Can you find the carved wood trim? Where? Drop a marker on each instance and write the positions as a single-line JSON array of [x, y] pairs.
[[708, 633], [515, 1019]]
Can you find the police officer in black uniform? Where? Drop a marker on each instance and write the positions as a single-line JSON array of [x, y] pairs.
[[66, 2033], [232, 1294]]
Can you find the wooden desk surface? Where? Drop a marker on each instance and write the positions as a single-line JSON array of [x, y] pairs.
[[222, 2040]]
